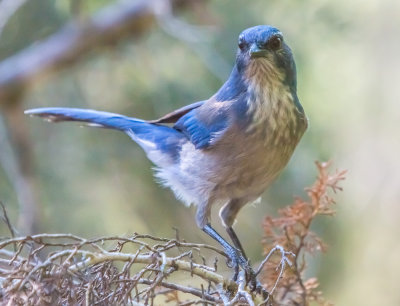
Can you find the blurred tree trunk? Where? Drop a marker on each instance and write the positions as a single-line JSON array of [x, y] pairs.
[[31, 22], [19, 169]]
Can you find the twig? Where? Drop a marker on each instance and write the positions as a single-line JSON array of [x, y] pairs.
[[7, 220], [181, 288], [292, 229], [93, 271], [95, 258], [273, 250]]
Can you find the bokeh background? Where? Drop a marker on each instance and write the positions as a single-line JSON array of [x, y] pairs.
[[93, 182]]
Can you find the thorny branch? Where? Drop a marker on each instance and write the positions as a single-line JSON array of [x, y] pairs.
[[91, 269]]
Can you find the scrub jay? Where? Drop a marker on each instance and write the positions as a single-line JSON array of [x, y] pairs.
[[226, 149]]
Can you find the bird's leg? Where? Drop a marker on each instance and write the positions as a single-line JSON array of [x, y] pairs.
[[250, 274], [234, 254], [228, 214], [235, 240], [237, 257]]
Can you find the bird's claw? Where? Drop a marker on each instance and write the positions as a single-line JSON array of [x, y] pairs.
[[254, 284], [237, 260]]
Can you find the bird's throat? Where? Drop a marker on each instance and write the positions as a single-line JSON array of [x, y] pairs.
[[271, 104]]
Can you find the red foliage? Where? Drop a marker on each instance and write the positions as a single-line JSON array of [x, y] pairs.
[[291, 230]]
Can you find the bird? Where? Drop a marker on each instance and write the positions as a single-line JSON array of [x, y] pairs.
[[225, 150]]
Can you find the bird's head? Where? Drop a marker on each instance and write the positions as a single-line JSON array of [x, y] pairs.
[[262, 54]]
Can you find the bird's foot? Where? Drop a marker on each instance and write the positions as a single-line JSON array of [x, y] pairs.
[[252, 281], [237, 261]]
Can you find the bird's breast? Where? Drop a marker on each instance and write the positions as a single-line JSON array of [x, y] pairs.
[[255, 153], [274, 118]]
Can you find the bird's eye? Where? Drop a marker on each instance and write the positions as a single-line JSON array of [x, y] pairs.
[[275, 43], [241, 43]]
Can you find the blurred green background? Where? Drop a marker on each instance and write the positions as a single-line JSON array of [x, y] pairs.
[[94, 182]]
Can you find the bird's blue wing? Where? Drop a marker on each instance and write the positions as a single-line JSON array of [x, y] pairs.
[[205, 124]]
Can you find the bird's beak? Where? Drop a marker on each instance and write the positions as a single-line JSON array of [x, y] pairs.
[[255, 51]]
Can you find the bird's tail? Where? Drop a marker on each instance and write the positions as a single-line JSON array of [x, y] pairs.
[[161, 143], [88, 116]]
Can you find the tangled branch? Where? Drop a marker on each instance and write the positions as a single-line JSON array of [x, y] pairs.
[[113, 270]]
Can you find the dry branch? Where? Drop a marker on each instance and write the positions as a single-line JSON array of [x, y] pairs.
[[292, 230], [102, 270]]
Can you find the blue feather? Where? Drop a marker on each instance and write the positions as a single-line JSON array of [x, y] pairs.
[[202, 124], [151, 137]]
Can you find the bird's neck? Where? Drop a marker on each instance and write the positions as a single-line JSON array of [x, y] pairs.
[[271, 102], [269, 99], [233, 87]]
